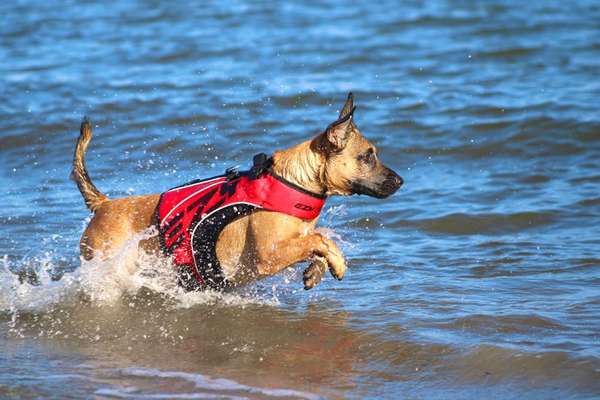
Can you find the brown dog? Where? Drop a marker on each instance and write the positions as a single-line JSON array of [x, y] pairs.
[[339, 161]]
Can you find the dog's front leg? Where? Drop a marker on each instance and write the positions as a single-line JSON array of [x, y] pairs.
[[314, 272], [290, 251]]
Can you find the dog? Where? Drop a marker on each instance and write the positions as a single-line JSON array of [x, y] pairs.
[[262, 239]]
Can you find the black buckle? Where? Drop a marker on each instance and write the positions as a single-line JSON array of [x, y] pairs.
[[232, 173], [261, 163]]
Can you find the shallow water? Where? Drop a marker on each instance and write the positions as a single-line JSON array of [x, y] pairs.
[[479, 278]]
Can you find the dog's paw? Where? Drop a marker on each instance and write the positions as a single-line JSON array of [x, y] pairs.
[[314, 273], [336, 261], [339, 270]]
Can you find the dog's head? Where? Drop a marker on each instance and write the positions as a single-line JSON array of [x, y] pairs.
[[351, 163]]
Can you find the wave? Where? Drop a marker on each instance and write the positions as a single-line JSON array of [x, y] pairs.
[[482, 224], [510, 53], [503, 324], [495, 364], [205, 384]]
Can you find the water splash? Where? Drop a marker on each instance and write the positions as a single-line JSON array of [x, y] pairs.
[[104, 282]]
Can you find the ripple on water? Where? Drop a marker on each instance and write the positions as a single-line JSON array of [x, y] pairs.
[[481, 224], [496, 364], [504, 324]]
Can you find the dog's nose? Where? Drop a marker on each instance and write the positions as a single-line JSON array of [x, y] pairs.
[[395, 179], [398, 180]]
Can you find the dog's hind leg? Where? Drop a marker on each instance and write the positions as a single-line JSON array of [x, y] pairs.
[[117, 221]]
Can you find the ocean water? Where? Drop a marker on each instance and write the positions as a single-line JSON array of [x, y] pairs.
[[480, 278]]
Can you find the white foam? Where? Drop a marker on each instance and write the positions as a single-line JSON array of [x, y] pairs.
[[105, 282], [204, 382], [15, 296], [132, 393]]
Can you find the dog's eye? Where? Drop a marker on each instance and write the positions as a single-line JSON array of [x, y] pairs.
[[367, 157]]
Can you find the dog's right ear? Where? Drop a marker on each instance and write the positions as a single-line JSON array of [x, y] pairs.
[[338, 133], [348, 106]]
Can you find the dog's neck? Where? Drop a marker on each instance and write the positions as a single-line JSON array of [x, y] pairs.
[[302, 166]]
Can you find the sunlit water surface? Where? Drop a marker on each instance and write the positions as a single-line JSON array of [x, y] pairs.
[[478, 279]]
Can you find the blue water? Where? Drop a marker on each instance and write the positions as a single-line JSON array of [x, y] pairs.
[[478, 279]]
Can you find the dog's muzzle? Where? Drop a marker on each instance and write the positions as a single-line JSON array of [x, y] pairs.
[[389, 185]]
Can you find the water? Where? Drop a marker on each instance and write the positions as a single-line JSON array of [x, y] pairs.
[[478, 279]]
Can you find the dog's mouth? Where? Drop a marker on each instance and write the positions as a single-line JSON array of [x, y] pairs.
[[389, 186]]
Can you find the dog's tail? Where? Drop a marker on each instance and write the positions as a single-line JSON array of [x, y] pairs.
[[92, 196]]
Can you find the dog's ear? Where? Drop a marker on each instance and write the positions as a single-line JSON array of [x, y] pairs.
[[338, 133], [348, 106]]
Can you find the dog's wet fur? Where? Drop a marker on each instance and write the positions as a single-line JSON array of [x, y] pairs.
[[339, 161]]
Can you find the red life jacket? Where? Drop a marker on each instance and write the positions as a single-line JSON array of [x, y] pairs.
[[191, 217]]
